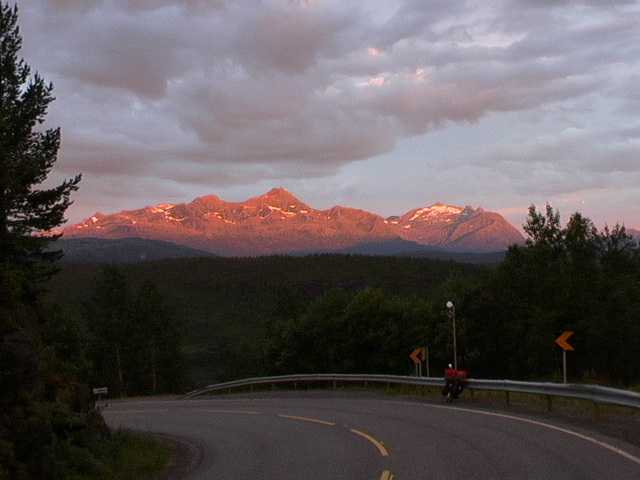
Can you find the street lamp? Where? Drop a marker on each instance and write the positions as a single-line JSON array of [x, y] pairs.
[[452, 315]]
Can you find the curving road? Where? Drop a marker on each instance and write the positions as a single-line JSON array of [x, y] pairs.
[[363, 438]]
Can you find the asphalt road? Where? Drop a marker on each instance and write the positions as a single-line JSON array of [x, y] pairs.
[[368, 438]]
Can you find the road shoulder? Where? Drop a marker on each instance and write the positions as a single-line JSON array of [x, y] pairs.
[[186, 456]]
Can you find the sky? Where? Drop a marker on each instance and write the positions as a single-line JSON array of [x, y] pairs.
[[384, 105]]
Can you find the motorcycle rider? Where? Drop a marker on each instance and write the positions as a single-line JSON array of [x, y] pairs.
[[454, 382], [449, 381]]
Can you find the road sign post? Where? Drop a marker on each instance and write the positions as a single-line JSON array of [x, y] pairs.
[[99, 392], [426, 360], [417, 357], [561, 341]]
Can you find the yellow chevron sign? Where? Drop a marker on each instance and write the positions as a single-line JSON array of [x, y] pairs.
[[561, 341]]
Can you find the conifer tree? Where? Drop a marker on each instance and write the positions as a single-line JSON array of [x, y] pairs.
[[28, 153], [37, 393]]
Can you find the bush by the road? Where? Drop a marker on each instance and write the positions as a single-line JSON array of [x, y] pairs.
[[121, 455]]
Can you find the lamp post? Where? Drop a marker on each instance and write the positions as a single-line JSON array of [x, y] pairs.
[[451, 308]]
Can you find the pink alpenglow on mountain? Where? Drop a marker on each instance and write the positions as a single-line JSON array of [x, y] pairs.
[[277, 222]]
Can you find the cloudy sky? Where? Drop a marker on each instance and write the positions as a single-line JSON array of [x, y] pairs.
[[384, 105]]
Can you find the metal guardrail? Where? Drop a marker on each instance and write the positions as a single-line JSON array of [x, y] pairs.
[[594, 393]]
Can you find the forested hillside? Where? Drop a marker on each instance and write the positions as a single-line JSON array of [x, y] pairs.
[[225, 308], [341, 313]]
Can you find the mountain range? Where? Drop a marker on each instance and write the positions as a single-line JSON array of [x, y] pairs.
[[279, 223]]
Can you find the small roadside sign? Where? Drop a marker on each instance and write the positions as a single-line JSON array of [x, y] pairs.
[[418, 355], [100, 391], [561, 341]]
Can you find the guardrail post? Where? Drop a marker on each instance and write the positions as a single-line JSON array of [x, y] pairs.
[[596, 412], [334, 384], [295, 385], [507, 398], [549, 403]]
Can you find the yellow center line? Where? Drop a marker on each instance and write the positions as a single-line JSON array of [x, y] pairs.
[[307, 419], [383, 451], [245, 412], [386, 475]]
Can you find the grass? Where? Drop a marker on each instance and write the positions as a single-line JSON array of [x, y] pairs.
[[123, 455]]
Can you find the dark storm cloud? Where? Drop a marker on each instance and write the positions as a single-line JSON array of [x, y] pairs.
[[268, 89]]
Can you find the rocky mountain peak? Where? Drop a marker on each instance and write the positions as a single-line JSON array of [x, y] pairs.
[[278, 222], [278, 198]]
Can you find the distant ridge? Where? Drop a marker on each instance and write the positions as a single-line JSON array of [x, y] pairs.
[[403, 248], [279, 223], [123, 250]]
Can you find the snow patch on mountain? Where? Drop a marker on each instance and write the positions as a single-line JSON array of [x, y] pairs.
[[435, 210], [280, 210], [162, 208]]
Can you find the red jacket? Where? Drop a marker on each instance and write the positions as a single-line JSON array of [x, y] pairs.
[[452, 373]]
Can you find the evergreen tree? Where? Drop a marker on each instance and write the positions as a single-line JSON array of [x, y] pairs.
[[40, 397], [27, 156], [135, 342], [157, 341], [564, 278], [109, 318]]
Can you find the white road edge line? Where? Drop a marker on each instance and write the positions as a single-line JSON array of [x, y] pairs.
[[245, 412], [156, 410], [586, 438], [307, 419]]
